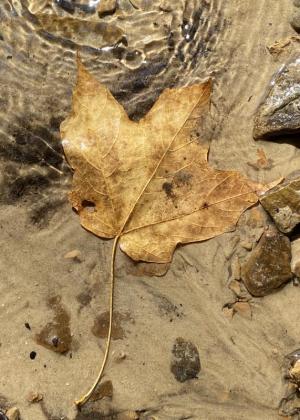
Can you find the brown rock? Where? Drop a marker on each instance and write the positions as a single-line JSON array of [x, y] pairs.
[[106, 7], [268, 266], [295, 371], [283, 203], [34, 397], [228, 312], [72, 255], [13, 413], [243, 309], [279, 113], [235, 287], [295, 265]]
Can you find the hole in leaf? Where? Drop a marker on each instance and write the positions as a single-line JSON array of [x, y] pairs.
[[88, 205]]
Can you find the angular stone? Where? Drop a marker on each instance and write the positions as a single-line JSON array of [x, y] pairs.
[[106, 7], [269, 264], [283, 203], [295, 265], [279, 112], [186, 362], [13, 413]]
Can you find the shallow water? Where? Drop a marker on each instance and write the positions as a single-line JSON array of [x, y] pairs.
[[137, 48]]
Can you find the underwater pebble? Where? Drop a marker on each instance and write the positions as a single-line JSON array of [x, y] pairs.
[[228, 312], [295, 264], [279, 112], [235, 287], [185, 363], [295, 371], [13, 413], [34, 397], [106, 7], [268, 266], [243, 309], [71, 255], [283, 203], [295, 21]]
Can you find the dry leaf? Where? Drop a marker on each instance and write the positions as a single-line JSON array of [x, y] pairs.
[[148, 182]]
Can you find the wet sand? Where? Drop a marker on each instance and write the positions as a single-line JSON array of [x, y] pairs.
[[241, 359]]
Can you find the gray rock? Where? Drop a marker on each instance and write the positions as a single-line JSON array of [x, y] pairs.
[[279, 112], [269, 264], [185, 362], [283, 203]]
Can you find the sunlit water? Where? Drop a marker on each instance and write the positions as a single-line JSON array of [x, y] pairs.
[[136, 47]]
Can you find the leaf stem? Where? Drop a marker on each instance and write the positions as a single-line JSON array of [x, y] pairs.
[[84, 399]]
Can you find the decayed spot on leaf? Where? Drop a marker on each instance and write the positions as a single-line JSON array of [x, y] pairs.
[[148, 182]]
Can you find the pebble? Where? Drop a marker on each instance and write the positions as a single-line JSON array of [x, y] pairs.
[[268, 266], [13, 413], [235, 287], [295, 21], [295, 265], [283, 203], [34, 397], [71, 255], [106, 7], [243, 309], [295, 371], [228, 312], [279, 112], [185, 362]]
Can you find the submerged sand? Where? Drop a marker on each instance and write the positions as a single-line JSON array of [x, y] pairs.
[[241, 359]]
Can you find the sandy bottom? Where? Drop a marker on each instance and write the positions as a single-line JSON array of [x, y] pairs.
[[241, 373]]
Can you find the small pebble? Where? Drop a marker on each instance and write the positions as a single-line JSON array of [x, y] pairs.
[[243, 309], [13, 413], [247, 245], [71, 255], [228, 312], [32, 355], [34, 397], [27, 326], [235, 286]]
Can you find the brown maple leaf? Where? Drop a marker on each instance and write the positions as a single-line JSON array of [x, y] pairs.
[[148, 183]]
